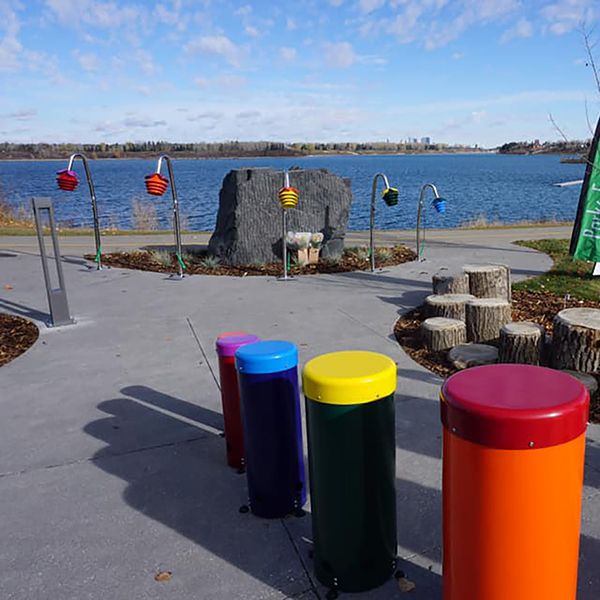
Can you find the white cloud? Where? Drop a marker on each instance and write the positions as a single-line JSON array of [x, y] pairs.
[[88, 62], [287, 54], [145, 61], [457, 55], [218, 45], [522, 29], [10, 46], [368, 6], [25, 114], [171, 17], [565, 15], [248, 114], [435, 23], [108, 15], [251, 31], [243, 11], [290, 24], [138, 122], [339, 54], [206, 116], [336, 2], [228, 80]]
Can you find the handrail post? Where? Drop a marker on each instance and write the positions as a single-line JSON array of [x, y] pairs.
[[420, 210], [176, 223], [372, 220], [88, 175]]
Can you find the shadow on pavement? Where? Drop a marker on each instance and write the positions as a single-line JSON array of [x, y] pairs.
[[24, 311], [186, 486]]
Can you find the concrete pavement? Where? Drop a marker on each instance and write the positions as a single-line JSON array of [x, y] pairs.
[[111, 466], [84, 244]]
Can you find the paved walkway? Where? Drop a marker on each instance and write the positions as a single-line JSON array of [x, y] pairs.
[[450, 238], [111, 466]]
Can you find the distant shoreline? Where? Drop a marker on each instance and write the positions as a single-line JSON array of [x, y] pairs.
[[299, 156]]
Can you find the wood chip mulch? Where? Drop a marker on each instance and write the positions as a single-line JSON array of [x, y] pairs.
[[144, 261], [16, 336], [539, 307]]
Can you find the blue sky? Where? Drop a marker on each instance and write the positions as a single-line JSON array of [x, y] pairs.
[[460, 71]]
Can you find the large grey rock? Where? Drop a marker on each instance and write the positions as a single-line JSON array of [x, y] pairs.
[[248, 228], [464, 356]]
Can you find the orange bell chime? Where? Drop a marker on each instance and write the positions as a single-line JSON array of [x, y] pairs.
[[156, 184]]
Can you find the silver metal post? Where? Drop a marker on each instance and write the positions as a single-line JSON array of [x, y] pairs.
[[177, 226], [284, 242], [372, 222], [88, 175], [57, 297], [420, 209]]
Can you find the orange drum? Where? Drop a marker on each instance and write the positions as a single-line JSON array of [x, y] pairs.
[[513, 455]]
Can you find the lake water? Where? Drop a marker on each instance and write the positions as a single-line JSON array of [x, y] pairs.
[[497, 187]]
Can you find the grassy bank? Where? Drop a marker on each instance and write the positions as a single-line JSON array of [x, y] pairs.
[[567, 276]]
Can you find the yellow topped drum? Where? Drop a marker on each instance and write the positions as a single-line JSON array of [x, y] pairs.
[[351, 452]]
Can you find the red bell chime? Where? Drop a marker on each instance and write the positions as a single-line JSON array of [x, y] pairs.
[[156, 184], [67, 180]]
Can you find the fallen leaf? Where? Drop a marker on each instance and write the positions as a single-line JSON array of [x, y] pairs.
[[7, 286], [163, 576], [406, 585]]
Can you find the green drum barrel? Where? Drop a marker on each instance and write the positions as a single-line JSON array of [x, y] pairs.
[[351, 452]]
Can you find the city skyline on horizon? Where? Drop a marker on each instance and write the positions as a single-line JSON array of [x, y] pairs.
[[467, 72]]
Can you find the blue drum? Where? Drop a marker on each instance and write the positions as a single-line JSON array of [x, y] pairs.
[[270, 402]]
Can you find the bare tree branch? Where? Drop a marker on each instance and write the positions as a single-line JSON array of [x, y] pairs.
[[589, 48], [555, 125], [587, 118]]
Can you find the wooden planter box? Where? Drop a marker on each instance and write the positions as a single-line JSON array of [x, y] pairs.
[[303, 256], [313, 256]]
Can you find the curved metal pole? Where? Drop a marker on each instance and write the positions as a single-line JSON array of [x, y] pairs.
[[372, 222], [88, 175], [420, 209], [177, 226]]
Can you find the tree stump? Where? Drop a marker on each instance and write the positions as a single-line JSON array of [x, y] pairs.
[[439, 333], [451, 283], [576, 340], [485, 317], [521, 343], [589, 381], [489, 281], [451, 306]]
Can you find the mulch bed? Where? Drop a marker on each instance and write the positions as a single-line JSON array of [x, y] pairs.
[[16, 336], [350, 261], [526, 306]]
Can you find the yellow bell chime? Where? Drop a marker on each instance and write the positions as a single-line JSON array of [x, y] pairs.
[[288, 197]]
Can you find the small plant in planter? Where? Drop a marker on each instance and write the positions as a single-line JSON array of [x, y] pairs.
[[360, 252], [162, 257], [299, 242], [383, 254], [210, 262]]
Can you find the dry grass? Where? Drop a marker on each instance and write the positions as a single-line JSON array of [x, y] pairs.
[[17, 218], [143, 215]]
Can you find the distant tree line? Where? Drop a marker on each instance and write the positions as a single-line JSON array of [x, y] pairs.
[[535, 147], [146, 149], [215, 150]]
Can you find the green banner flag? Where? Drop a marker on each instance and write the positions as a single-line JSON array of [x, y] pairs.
[[585, 240]]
